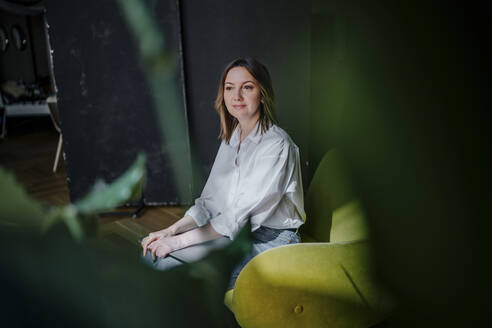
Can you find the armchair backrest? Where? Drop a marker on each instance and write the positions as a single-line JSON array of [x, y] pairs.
[[332, 212], [348, 223]]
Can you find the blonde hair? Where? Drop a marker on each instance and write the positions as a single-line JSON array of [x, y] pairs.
[[267, 105]]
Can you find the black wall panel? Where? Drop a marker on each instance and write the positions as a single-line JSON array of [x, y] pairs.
[[106, 100]]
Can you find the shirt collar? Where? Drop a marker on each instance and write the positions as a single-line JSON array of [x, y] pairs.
[[254, 136]]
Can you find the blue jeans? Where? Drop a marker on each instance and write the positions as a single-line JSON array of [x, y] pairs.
[[263, 239]]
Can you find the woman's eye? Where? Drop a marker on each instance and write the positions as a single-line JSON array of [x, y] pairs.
[[248, 87], [228, 88]]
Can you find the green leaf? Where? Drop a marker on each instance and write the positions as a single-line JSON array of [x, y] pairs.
[[17, 208], [104, 197], [80, 217]]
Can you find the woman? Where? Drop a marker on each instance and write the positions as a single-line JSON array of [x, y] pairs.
[[256, 174]]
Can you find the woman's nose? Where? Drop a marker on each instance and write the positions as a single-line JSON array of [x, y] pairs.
[[238, 95]]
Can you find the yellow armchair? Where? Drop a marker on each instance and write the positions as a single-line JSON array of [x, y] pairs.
[[322, 283]]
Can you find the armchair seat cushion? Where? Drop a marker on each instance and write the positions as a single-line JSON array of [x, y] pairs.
[[329, 285]]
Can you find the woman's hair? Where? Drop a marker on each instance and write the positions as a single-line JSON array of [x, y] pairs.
[[267, 104]]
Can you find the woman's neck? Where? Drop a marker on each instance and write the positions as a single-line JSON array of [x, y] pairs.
[[246, 128]]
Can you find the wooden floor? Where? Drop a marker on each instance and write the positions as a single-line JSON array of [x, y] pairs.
[[29, 152]]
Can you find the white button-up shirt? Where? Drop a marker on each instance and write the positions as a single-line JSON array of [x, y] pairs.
[[258, 179]]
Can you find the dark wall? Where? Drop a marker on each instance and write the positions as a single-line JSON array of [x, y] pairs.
[[106, 97], [216, 32], [326, 57]]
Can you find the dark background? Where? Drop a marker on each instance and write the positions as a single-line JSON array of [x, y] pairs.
[[34, 65]]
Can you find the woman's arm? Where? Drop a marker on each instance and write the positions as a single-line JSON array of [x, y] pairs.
[[166, 245], [182, 225]]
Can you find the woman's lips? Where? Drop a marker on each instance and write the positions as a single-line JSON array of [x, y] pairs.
[[239, 106]]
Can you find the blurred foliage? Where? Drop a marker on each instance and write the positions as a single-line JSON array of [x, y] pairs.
[[20, 211], [389, 84], [17, 208], [62, 278]]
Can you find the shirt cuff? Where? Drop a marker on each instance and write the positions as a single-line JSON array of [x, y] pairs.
[[199, 215], [225, 224]]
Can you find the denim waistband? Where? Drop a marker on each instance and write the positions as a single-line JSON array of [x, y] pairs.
[[275, 229], [264, 234]]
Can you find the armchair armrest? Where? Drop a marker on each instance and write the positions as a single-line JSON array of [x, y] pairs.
[[309, 285]]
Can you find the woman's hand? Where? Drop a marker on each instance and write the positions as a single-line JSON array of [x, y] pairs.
[[153, 236], [163, 246], [186, 223], [160, 246]]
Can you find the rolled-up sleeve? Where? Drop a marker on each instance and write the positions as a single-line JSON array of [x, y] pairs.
[[225, 224], [199, 212], [261, 189]]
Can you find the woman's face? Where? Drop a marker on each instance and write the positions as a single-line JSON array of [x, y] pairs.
[[242, 95]]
